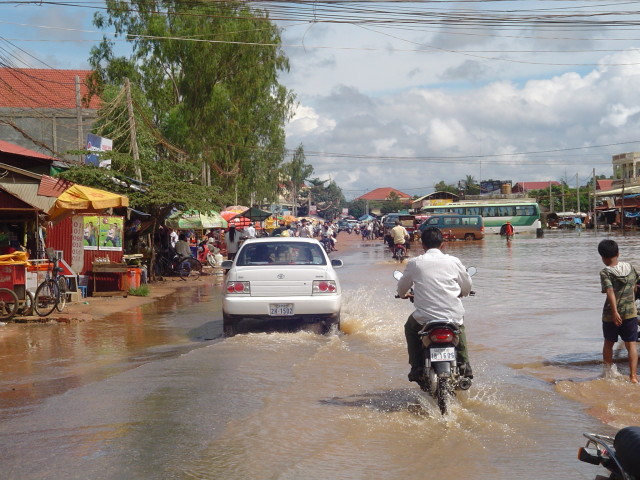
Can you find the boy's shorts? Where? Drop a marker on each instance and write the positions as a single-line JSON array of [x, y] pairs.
[[628, 331]]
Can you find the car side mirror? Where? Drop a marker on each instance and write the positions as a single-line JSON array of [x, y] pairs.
[[337, 263], [226, 264]]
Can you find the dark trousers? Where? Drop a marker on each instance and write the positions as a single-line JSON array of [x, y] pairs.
[[414, 344]]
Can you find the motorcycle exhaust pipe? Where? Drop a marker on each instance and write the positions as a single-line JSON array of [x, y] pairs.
[[464, 383]]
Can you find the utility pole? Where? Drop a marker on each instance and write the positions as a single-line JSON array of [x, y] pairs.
[[595, 214], [622, 208], [81, 144], [132, 130], [550, 198], [578, 192]]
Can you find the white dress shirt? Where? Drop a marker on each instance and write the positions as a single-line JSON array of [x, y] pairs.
[[438, 280]]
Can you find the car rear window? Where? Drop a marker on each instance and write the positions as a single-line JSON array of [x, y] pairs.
[[280, 253]]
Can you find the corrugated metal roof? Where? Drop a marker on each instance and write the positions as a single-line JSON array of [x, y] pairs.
[[28, 192], [53, 187], [617, 191], [6, 147], [11, 202]]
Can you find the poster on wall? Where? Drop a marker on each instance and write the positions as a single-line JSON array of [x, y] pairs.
[[111, 233], [90, 233]]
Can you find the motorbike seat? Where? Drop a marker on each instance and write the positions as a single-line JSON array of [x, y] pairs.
[[627, 445], [438, 324]]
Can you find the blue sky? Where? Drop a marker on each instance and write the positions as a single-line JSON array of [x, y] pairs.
[[406, 105]]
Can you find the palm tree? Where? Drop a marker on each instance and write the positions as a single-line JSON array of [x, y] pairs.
[[471, 187]]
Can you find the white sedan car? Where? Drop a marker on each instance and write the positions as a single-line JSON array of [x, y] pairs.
[[284, 281]]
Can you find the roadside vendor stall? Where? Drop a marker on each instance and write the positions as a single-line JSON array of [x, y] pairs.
[[197, 222], [88, 239]]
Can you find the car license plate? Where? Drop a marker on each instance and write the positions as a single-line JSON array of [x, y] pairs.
[[280, 309], [443, 354]]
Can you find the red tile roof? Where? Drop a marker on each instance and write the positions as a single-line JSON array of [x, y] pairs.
[[6, 147], [41, 88], [383, 194], [526, 186], [604, 184]]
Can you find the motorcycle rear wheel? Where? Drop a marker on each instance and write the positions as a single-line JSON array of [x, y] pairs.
[[442, 395]]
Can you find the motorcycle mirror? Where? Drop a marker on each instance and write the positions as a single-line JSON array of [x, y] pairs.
[[397, 274], [472, 271]]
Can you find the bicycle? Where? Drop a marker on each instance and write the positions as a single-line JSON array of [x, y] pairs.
[[52, 293], [183, 267]]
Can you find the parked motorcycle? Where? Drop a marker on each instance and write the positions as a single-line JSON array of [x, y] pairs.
[[441, 373], [619, 455]]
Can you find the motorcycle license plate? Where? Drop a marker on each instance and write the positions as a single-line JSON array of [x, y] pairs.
[[280, 309], [447, 354]]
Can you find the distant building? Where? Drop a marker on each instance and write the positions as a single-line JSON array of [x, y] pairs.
[[43, 110], [604, 184], [435, 198], [626, 167], [382, 194], [523, 187]]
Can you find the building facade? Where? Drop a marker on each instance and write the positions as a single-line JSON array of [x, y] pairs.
[[46, 110]]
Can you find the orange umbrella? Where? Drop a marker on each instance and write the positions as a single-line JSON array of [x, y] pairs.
[[230, 214]]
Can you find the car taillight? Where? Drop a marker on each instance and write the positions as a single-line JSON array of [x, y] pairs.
[[238, 287], [441, 335], [324, 286]]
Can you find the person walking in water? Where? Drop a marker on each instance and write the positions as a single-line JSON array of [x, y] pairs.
[[507, 231], [619, 314]]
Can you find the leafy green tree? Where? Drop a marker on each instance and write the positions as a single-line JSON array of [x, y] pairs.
[[328, 199], [470, 186], [392, 204], [441, 186], [167, 183], [357, 208], [209, 73], [295, 173]]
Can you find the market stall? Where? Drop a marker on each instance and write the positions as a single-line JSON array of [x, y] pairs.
[[85, 235]]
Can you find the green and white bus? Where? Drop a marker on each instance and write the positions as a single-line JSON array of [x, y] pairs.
[[525, 217]]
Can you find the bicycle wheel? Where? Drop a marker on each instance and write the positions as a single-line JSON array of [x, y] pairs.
[[62, 288], [196, 268], [184, 269], [46, 298], [26, 307], [8, 304]]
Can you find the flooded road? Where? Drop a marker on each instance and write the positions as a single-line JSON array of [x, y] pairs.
[[158, 394]]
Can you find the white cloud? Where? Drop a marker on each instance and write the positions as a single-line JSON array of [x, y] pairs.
[[564, 111], [306, 121]]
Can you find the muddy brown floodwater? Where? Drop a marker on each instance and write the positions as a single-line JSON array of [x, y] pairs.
[[157, 393]]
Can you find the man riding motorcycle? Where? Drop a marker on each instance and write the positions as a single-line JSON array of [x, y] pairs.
[[400, 236], [439, 281]]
